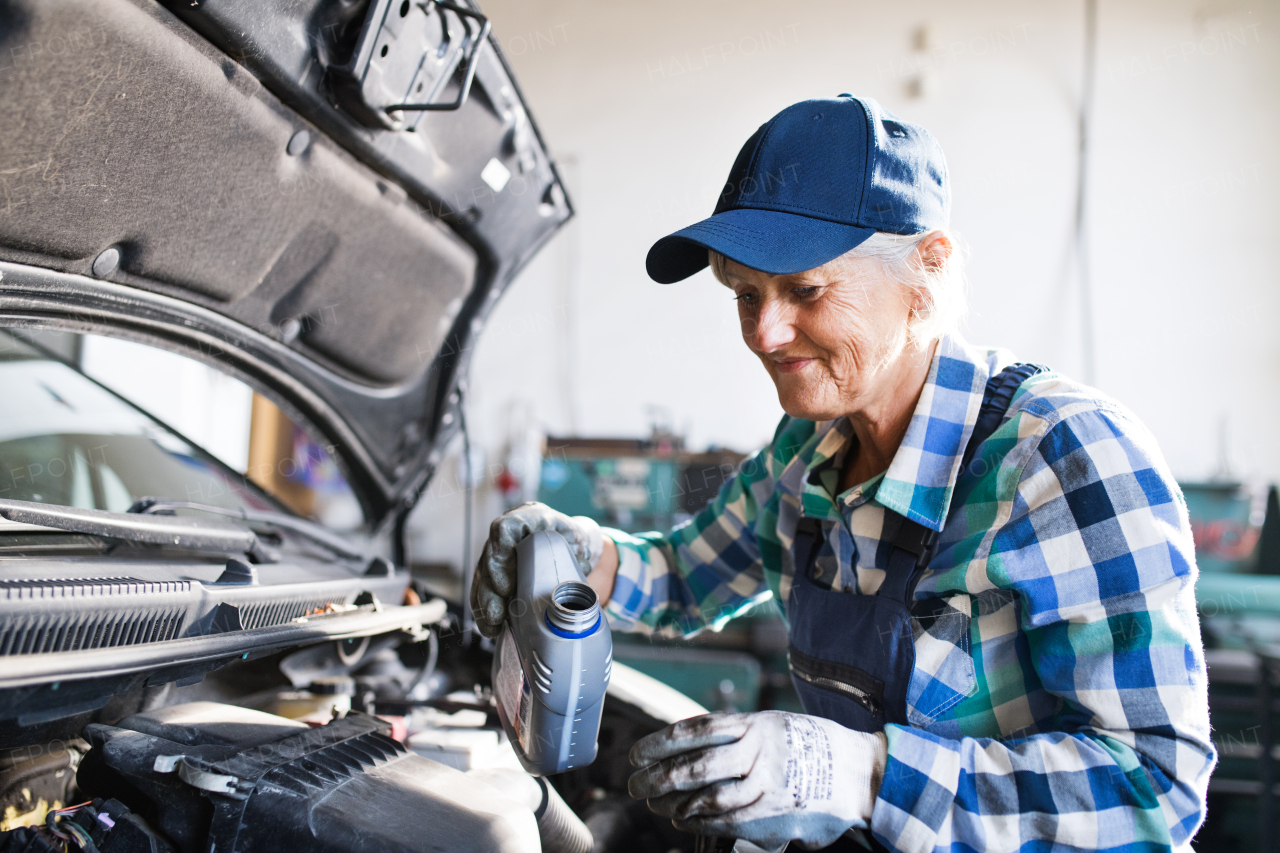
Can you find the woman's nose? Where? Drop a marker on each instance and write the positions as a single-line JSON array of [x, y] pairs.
[[768, 329]]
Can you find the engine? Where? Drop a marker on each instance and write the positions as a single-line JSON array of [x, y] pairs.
[[218, 777], [391, 743], [212, 777]]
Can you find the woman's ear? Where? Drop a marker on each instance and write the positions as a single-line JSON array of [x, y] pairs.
[[935, 251]]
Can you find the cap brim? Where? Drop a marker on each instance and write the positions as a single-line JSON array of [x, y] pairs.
[[771, 241]]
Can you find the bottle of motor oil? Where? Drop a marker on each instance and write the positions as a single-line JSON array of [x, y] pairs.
[[553, 659]]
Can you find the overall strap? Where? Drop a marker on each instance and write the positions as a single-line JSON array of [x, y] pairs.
[[912, 548], [805, 548], [912, 542], [995, 402]]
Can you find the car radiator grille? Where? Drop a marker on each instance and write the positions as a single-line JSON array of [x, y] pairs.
[[90, 631], [86, 626], [266, 614], [74, 614]]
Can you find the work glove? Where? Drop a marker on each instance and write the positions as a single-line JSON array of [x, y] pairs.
[[768, 778], [495, 581]]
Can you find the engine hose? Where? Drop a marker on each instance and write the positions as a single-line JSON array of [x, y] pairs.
[[560, 830]]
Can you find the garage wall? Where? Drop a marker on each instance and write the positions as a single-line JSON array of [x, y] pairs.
[[646, 105]]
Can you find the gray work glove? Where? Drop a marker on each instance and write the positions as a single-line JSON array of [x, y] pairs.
[[495, 580], [768, 778]]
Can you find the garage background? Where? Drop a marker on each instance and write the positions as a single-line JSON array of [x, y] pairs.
[[645, 106]]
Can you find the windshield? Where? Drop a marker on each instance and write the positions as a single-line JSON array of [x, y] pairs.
[[66, 440]]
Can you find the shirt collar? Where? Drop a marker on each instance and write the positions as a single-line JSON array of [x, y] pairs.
[[922, 475]]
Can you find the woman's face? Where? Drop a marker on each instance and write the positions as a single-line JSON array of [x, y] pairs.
[[832, 338]]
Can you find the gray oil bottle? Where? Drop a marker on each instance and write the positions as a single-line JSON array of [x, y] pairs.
[[552, 663]]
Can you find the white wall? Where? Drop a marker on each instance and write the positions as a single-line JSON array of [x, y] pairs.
[[647, 104]]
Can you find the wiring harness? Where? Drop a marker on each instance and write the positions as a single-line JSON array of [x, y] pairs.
[[94, 826]]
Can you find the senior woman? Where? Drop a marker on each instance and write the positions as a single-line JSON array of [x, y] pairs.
[[986, 568]]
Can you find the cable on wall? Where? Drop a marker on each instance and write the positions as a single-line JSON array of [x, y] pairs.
[[1082, 182]]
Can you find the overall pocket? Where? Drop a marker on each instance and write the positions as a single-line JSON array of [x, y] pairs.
[[944, 673], [841, 678]]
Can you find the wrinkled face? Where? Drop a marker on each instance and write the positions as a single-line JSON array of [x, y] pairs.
[[832, 337]]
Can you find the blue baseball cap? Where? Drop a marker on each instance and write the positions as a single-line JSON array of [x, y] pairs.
[[812, 183]]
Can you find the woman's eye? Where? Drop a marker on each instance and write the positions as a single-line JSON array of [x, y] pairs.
[[747, 298], [804, 292]]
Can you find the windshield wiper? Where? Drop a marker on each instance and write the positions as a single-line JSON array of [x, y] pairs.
[[192, 534], [306, 529]]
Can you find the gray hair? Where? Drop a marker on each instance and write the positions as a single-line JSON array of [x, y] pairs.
[[943, 289]]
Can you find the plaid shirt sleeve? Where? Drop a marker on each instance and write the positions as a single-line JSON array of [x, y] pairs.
[[709, 569], [1096, 544]]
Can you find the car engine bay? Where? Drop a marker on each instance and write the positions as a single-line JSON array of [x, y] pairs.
[[386, 743]]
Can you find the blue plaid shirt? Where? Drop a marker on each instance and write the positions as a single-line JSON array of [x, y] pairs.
[[1059, 699]]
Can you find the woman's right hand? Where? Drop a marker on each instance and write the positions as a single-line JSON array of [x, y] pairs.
[[495, 581]]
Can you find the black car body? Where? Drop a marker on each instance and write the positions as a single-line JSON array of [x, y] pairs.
[[323, 199]]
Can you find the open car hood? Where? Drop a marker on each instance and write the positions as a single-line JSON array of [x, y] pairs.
[[223, 179]]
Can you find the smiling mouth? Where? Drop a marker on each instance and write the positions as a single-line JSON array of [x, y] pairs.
[[791, 365]]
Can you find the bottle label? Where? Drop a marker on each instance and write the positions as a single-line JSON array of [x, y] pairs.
[[511, 688]]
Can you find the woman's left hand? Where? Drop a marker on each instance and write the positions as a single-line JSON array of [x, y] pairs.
[[768, 777]]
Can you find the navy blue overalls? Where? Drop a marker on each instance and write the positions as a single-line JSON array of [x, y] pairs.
[[852, 655]]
